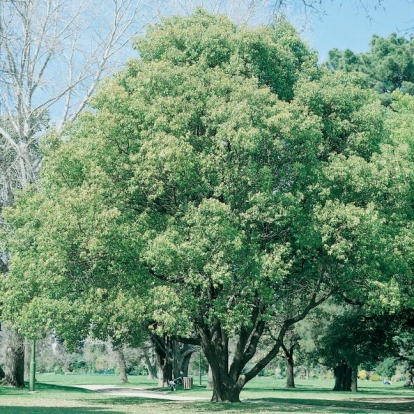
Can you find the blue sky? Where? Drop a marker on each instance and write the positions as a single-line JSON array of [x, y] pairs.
[[348, 27]]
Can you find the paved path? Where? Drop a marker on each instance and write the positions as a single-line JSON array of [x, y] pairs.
[[140, 392]]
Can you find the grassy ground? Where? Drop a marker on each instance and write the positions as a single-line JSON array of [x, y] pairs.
[[57, 394]]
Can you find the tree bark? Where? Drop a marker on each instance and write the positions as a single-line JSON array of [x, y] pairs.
[[121, 364], [228, 376], [164, 370], [14, 363], [172, 357], [182, 355], [290, 377], [227, 383], [187, 353], [354, 379], [27, 356], [228, 379], [343, 377], [150, 365], [290, 364], [162, 348]]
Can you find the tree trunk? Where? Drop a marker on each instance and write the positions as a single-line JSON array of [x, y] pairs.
[[354, 379], [181, 357], [226, 385], [150, 365], [224, 388], [14, 363], [290, 377], [176, 358], [307, 371], [172, 357], [164, 371], [164, 358], [228, 379], [343, 377], [121, 364], [27, 357], [186, 358]]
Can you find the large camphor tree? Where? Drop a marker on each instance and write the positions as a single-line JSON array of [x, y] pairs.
[[196, 198]]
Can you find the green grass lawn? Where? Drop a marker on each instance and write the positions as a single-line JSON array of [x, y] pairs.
[[57, 394]]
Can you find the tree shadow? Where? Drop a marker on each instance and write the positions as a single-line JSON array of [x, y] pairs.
[[321, 391], [5, 390], [372, 406], [54, 410], [368, 391], [53, 387], [131, 401], [288, 405]]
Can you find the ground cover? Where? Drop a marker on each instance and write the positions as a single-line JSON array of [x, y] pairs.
[[60, 394]]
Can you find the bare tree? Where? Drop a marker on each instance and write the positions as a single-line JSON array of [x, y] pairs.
[[240, 11], [53, 54], [301, 13]]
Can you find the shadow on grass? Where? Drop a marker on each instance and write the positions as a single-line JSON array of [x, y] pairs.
[[54, 410], [389, 392], [373, 406], [54, 387], [180, 406], [265, 404], [5, 390], [137, 401], [298, 389]]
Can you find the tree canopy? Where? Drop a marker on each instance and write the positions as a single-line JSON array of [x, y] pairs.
[[222, 187]]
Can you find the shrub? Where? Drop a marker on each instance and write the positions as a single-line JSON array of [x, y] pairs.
[[362, 375]]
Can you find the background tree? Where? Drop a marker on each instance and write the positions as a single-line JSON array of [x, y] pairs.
[[352, 339], [386, 368], [388, 65], [384, 303], [52, 56], [309, 331]]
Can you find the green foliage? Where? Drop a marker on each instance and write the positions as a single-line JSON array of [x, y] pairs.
[[386, 368], [357, 338], [175, 184], [275, 56], [222, 182], [387, 66]]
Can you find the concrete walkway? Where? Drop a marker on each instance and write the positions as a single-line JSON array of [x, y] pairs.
[[115, 390]]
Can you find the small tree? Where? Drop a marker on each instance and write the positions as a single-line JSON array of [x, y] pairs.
[[352, 339]]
